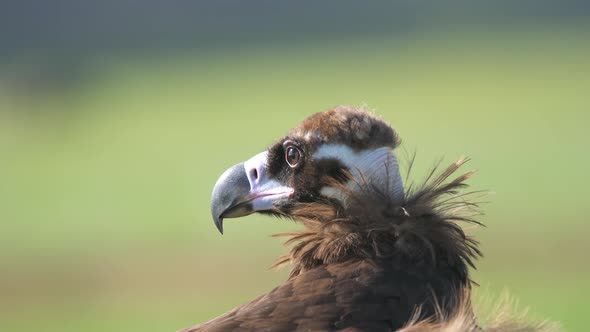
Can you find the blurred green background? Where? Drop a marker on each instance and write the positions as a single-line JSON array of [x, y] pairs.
[[116, 118]]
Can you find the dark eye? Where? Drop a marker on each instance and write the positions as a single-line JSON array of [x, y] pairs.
[[292, 155]]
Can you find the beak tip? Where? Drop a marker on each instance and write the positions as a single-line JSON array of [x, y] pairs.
[[219, 225], [231, 186]]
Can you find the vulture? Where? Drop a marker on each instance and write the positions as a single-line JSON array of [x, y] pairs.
[[373, 254]]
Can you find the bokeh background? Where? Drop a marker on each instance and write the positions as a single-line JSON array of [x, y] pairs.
[[117, 117]]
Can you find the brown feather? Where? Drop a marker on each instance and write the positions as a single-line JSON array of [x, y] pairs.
[[423, 228]]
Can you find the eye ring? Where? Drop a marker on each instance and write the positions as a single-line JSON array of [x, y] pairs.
[[293, 155]]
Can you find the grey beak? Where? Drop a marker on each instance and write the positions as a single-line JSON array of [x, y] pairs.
[[244, 189], [230, 197]]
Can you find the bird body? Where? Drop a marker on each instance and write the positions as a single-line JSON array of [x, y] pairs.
[[356, 295], [371, 256]]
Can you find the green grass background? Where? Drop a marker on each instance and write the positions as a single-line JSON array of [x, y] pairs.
[[104, 188]]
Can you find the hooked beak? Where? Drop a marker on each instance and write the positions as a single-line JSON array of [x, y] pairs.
[[244, 189]]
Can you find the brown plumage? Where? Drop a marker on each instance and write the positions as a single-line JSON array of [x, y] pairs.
[[367, 259]]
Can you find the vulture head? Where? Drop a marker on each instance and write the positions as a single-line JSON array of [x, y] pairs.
[[329, 159], [336, 172]]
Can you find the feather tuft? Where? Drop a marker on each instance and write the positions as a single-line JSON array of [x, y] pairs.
[[501, 317], [426, 227]]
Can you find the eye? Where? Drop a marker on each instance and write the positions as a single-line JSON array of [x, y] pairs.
[[292, 155]]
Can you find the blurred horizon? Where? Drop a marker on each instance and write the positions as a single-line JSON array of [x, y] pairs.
[[116, 118], [57, 44]]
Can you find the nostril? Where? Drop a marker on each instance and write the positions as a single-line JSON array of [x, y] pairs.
[[254, 173]]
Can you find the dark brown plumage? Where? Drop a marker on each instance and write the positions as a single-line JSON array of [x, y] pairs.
[[368, 257]]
